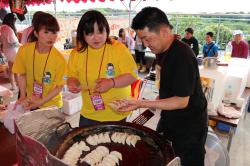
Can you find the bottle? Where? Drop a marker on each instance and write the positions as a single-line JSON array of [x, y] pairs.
[[65, 87], [228, 95], [228, 52]]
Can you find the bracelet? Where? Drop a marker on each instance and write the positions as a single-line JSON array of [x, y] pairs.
[[113, 80]]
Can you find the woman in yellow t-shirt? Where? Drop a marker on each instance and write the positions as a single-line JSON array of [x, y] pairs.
[[101, 68], [40, 66]]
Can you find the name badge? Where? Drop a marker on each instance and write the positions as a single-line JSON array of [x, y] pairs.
[[37, 89], [97, 102], [47, 78]]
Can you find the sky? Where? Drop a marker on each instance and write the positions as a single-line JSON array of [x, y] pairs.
[[169, 6]]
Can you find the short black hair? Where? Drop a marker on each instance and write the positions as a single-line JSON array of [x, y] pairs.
[[86, 26], [190, 30], [10, 20], [35, 15], [211, 34], [150, 17], [120, 32]]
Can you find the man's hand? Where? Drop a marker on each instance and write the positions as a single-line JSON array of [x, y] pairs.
[[126, 105], [74, 85], [103, 85]]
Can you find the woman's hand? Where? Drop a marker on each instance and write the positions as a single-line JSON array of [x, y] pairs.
[[103, 85], [34, 102], [3, 107], [30, 102], [74, 85], [21, 101]]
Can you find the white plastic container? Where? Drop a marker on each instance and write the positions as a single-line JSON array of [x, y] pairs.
[[72, 103], [237, 76], [219, 77]]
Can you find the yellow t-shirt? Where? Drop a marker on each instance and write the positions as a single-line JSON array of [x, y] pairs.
[[117, 60], [55, 70]]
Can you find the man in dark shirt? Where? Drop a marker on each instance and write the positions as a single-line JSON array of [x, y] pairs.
[[191, 40], [184, 116]]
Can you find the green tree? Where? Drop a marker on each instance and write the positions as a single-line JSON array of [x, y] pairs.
[[201, 26]]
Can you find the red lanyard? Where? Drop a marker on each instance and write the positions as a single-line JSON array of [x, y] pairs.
[[86, 74], [34, 79]]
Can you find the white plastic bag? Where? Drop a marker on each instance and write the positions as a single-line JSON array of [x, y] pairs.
[[11, 115], [229, 112], [211, 110]]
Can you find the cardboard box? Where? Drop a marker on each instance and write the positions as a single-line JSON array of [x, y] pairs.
[[72, 103]]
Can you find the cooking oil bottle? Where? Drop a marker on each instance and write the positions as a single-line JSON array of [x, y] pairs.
[[228, 52]]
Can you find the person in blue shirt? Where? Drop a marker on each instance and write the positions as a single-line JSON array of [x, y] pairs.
[[210, 49]]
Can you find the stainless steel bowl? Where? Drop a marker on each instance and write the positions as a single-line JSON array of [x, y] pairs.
[[210, 62]]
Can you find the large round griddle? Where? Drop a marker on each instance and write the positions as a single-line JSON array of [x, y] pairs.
[[151, 150]]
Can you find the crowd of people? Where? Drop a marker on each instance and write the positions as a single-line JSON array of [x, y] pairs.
[[240, 47], [102, 70]]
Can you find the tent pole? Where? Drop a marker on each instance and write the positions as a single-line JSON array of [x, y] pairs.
[[137, 5], [54, 3], [218, 32], [129, 15], [130, 9]]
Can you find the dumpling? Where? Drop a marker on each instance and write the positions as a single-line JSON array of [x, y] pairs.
[[117, 154], [70, 159], [113, 157], [104, 150], [90, 140], [123, 138], [96, 138], [103, 164], [106, 137], [93, 157], [134, 140], [72, 154], [118, 137], [103, 153], [88, 160], [82, 145], [101, 138], [109, 161], [128, 139], [114, 106], [96, 155], [113, 137]]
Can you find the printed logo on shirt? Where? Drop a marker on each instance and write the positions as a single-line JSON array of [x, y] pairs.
[[110, 72], [47, 78], [65, 77]]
